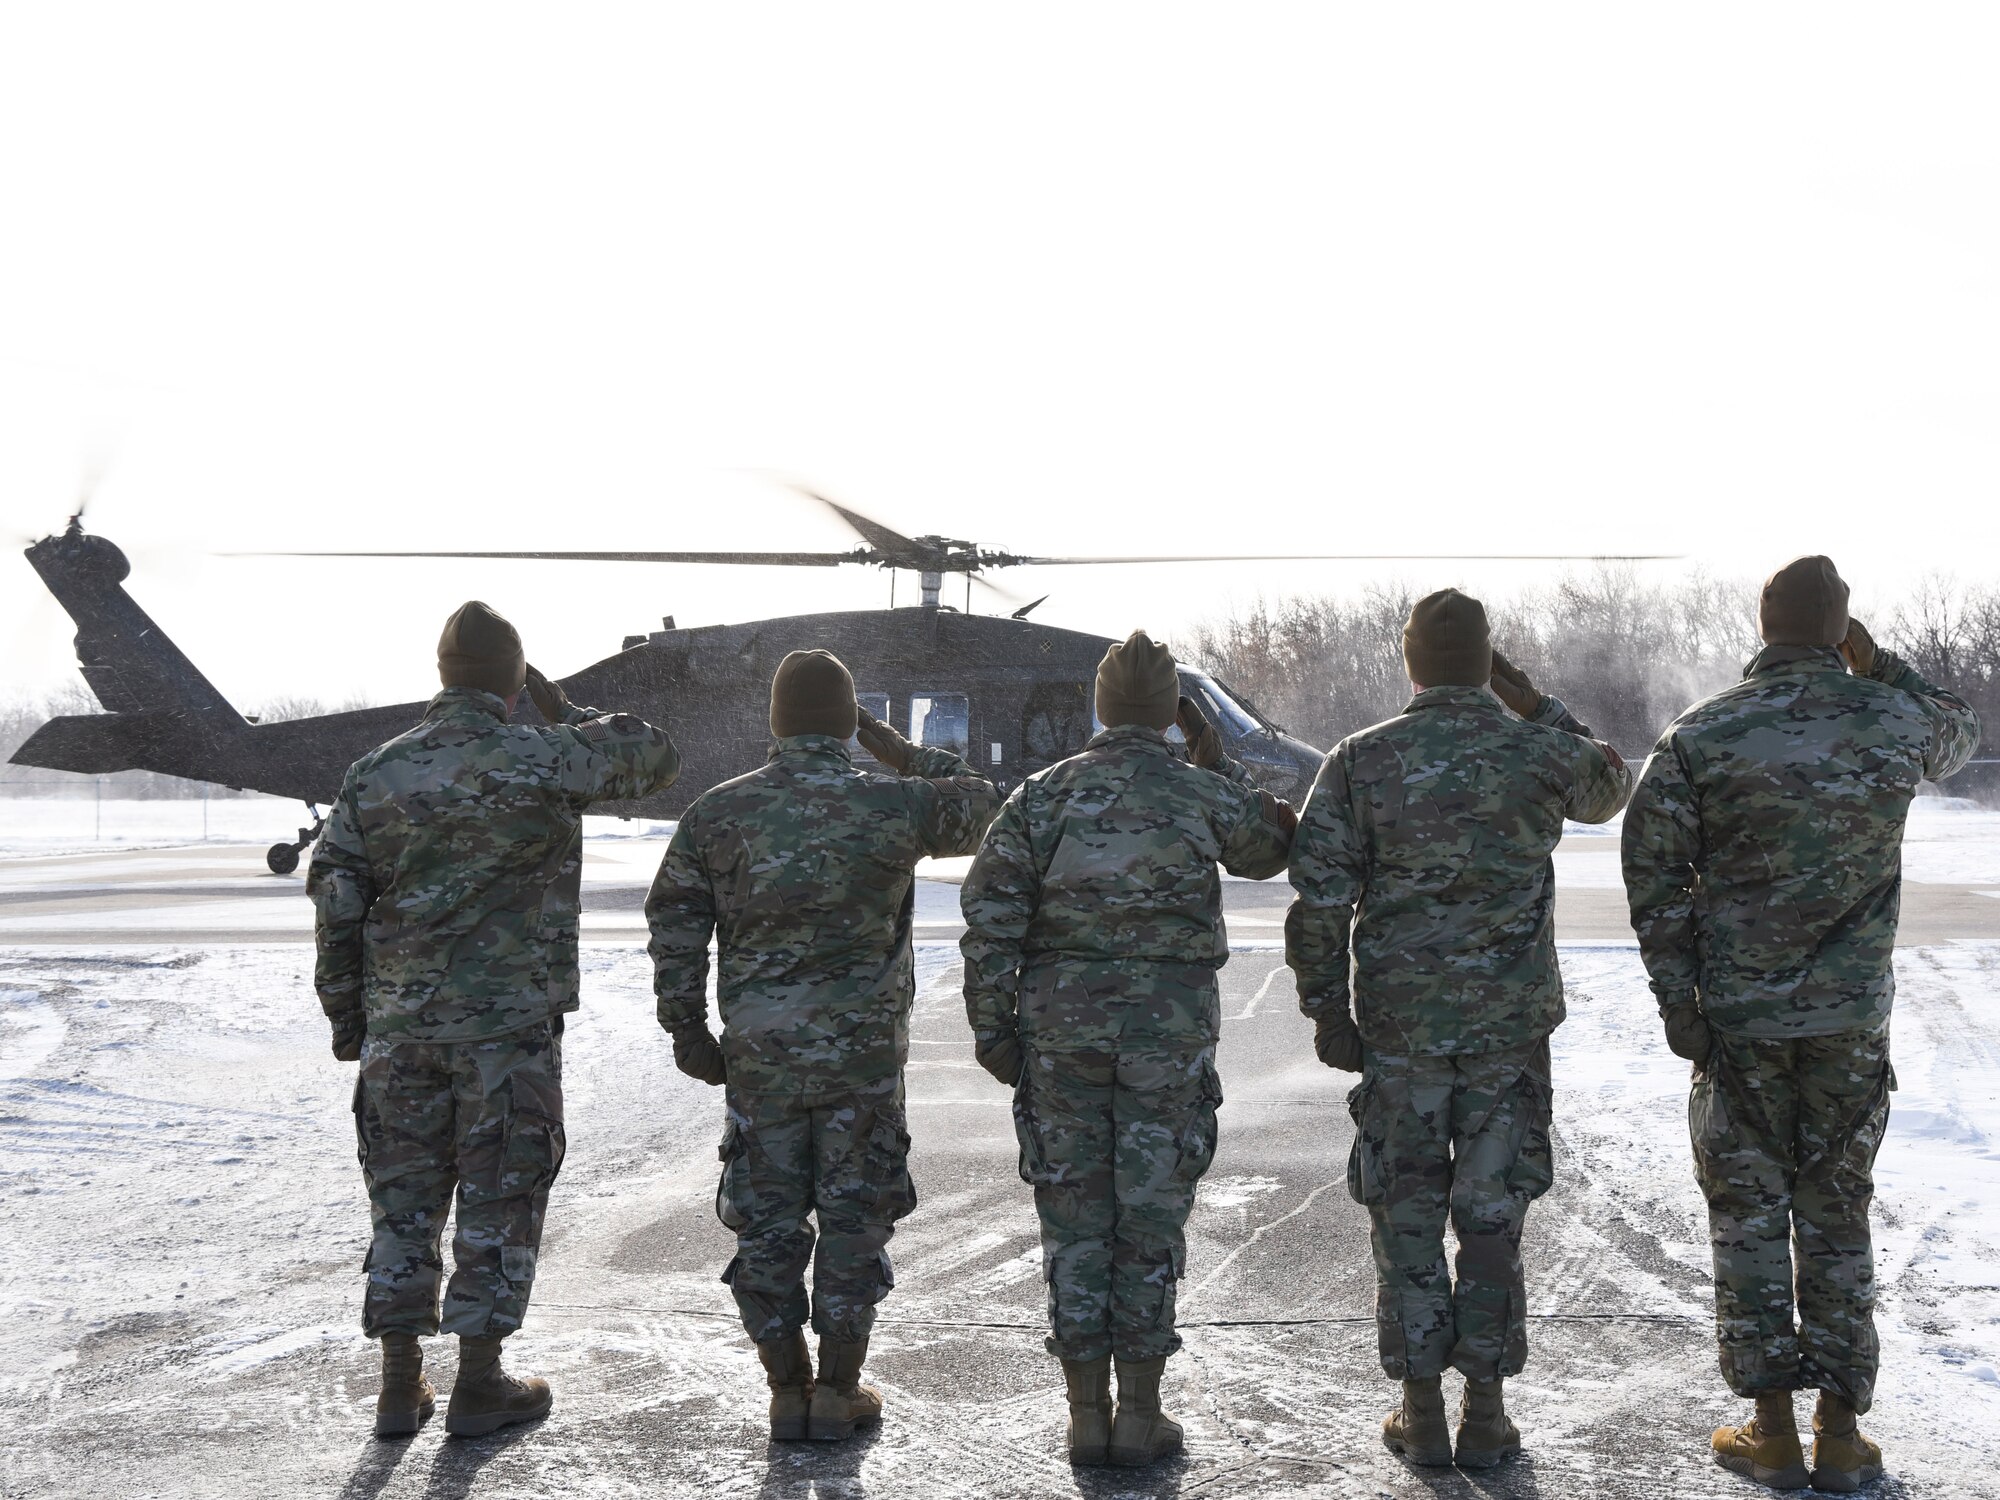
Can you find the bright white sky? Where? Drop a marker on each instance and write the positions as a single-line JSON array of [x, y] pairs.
[[1705, 279]]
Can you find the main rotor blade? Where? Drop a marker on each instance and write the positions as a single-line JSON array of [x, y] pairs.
[[1058, 562], [902, 551], [755, 559]]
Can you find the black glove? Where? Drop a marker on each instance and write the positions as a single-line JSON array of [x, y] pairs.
[[1687, 1032], [1859, 649], [698, 1054], [1204, 744], [1338, 1041], [1000, 1055], [550, 700], [1279, 813], [1513, 687], [348, 1034], [882, 742]]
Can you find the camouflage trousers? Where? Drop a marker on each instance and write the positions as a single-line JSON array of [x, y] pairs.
[[842, 1157], [1463, 1140], [1785, 1134], [1113, 1143], [481, 1121]]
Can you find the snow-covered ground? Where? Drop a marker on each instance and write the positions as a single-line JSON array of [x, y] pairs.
[[182, 1221], [183, 1224]]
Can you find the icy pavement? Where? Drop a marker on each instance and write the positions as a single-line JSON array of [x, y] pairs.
[[184, 1224]]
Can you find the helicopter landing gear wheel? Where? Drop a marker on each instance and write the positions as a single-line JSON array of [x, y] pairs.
[[282, 858]]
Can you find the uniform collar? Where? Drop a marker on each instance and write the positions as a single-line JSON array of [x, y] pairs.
[[1451, 696], [811, 744], [1773, 660], [463, 703], [1138, 735]]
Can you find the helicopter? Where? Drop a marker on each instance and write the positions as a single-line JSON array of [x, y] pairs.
[[1009, 694]]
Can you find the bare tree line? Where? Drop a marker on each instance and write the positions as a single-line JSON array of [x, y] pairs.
[[1627, 655]]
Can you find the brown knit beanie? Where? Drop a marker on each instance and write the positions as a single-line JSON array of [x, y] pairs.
[[812, 693], [1137, 683], [1445, 643], [1804, 604], [479, 649]]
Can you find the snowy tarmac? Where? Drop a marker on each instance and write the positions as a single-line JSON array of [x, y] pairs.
[[184, 1225]]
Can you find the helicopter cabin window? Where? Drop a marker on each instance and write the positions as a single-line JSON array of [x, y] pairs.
[[942, 721], [878, 705], [1055, 722]]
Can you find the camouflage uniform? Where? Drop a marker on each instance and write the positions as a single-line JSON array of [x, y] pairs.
[[1763, 862], [1094, 924], [447, 884], [803, 871], [1425, 844]]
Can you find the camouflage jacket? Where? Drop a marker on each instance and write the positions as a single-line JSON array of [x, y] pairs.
[[1094, 911], [1763, 848], [1425, 844], [803, 870], [448, 877]]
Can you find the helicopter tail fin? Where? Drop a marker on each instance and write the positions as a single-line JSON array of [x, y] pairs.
[[163, 714]]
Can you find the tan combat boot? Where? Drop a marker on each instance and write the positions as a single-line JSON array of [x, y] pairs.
[[486, 1397], [840, 1402], [1766, 1448], [788, 1369], [407, 1399], [1843, 1460], [1140, 1431], [1485, 1434], [1417, 1429], [1089, 1382]]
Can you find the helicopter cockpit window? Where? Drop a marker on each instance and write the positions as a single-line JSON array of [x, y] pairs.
[[1229, 716], [942, 721], [876, 704]]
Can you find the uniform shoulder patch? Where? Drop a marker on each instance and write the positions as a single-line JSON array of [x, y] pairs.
[[604, 729]]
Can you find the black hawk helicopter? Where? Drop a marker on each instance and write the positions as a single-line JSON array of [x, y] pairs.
[[1009, 694]]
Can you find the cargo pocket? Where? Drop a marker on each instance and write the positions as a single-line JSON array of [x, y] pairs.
[[888, 1165], [1198, 1139], [1034, 1161], [1533, 1171], [536, 1141], [1863, 1137], [517, 1264], [360, 1105], [728, 1183], [1708, 1108], [1364, 1158]]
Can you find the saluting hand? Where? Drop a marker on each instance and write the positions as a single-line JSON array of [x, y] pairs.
[[549, 699], [1513, 687], [1203, 742], [1859, 649], [882, 742]]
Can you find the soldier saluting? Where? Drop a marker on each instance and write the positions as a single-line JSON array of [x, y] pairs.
[[446, 888], [803, 871], [1094, 933], [1763, 862], [1422, 862]]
